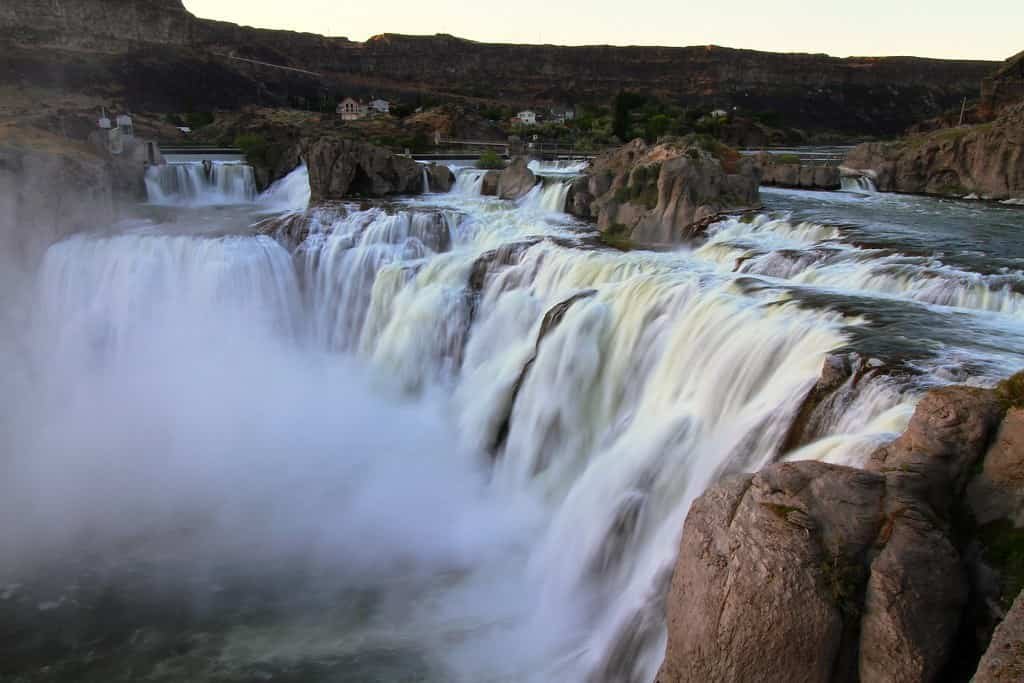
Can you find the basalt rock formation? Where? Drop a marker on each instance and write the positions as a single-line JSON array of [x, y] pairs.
[[814, 572], [663, 193], [516, 180], [340, 168], [157, 56], [986, 160]]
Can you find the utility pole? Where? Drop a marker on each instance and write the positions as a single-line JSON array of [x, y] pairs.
[[963, 108]]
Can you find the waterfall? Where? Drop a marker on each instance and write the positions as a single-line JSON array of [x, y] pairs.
[[290, 193], [858, 183], [426, 181], [469, 182], [559, 167], [490, 428], [548, 196], [196, 183]]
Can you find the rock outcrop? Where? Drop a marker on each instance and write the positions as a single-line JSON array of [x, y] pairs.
[[1003, 88], [985, 160], [784, 172], [516, 180], [662, 193], [441, 178], [340, 168], [1004, 660], [814, 572]]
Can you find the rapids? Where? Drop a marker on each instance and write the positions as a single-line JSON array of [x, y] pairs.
[[369, 449]]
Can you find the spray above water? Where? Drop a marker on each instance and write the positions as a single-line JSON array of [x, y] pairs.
[[477, 438]]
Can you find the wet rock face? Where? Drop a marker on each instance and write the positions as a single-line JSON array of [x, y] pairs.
[[985, 160], [665, 193], [441, 178], [814, 572], [340, 168], [516, 180]]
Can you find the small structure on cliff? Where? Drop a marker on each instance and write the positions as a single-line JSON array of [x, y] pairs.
[[527, 117], [350, 109]]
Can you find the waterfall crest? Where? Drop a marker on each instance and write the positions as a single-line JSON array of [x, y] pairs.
[[195, 183]]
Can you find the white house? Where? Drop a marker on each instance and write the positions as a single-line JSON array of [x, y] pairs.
[[527, 117], [351, 110], [719, 114], [380, 106], [125, 125]]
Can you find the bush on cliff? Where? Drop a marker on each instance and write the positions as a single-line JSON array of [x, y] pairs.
[[490, 161]]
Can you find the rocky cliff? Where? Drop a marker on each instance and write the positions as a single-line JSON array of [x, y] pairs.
[[155, 55], [814, 572], [986, 160], [664, 193]]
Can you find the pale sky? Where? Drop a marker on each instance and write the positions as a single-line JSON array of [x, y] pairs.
[[982, 29]]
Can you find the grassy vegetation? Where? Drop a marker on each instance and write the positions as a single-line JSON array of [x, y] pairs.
[[1004, 550], [642, 187], [786, 159], [1011, 391], [617, 237], [491, 161]]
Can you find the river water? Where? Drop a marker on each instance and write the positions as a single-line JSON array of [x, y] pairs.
[[349, 448]]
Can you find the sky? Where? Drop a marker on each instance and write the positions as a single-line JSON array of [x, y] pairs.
[[985, 29]]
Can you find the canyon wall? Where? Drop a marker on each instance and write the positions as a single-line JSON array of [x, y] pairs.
[[156, 55]]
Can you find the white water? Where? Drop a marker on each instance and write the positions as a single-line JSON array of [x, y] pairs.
[[341, 409], [548, 197], [857, 183], [559, 167], [469, 182], [189, 184], [290, 193]]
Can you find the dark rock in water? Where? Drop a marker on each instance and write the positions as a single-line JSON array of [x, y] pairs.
[[342, 167], [516, 180], [666, 193], [814, 572], [441, 178], [489, 188]]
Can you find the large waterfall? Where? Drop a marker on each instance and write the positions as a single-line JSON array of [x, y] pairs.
[[457, 415], [200, 183]]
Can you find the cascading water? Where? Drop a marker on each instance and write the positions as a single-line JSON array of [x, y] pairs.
[[455, 416], [195, 183], [548, 196], [559, 167], [857, 183], [290, 193]]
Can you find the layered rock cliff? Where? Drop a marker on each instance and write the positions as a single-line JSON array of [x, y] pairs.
[[156, 55], [986, 160], [813, 572], [664, 193]]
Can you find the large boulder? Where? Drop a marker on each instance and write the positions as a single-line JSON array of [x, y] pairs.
[[783, 171], [986, 160], [667, 192], [814, 572], [516, 180], [441, 178], [342, 167], [1003, 661]]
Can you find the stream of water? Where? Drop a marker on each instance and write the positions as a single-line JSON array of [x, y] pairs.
[[450, 438]]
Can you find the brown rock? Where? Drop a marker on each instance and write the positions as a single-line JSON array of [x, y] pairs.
[[441, 178], [516, 180], [341, 167], [1003, 661], [998, 492], [490, 184], [986, 160]]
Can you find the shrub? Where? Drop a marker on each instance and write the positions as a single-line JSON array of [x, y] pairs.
[[490, 161]]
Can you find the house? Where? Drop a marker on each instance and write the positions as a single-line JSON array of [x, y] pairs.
[[380, 106], [719, 114], [527, 117], [125, 125], [351, 110], [563, 114]]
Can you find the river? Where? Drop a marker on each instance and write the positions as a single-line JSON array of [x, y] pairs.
[[448, 439]]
